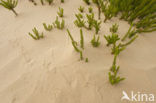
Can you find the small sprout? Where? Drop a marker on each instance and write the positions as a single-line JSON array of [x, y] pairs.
[[37, 36], [58, 24], [86, 60], [95, 42], [79, 22], [114, 79], [90, 9], [49, 1], [10, 5], [42, 2], [82, 39], [60, 12], [47, 27], [90, 19], [62, 1], [96, 25], [87, 2], [111, 39], [81, 9], [114, 28]]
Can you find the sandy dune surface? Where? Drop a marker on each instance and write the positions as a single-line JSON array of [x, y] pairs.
[[49, 70]]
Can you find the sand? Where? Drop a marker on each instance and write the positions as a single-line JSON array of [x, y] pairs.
[[49, 70]]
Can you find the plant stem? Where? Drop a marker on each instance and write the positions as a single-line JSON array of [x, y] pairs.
[[14, 12]]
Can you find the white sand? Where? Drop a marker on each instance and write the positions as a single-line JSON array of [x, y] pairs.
[[49, 70]]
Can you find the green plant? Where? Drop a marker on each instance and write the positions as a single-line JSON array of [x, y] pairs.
[[112, 39], [47, 27], [80, 21], [90, 9], [129, 42], [95, 41], [114, 28], [60, 12], [96, 25], [98, 3], [86, 60], [49, 1], [90, 20], [81, 9], [42, 2], [10, 5], [58, 24], [114, 79], [87, 2], [62, 1], [37, 36], [82, 39], [129, 33], [75, 46]]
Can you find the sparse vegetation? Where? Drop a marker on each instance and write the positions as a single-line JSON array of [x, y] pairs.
[[90, 20], [36, 35], [82, 39], [60, 12], [47, 27], [58, 24], [96, 25], [10, 5], [80, 21], [81, 9], [111, 39], [62, 1], [42, 2], [95, 41], [75, 45], [114, 28]]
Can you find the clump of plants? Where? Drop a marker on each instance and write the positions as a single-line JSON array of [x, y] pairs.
[[10, 5], [95, 41], [87, 2], [79, 22], [114, 28], [59, 24], [96, 25], [81, 9], [36, 35], [90, 20], [111, 39], [47, 27], [60, 12]]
